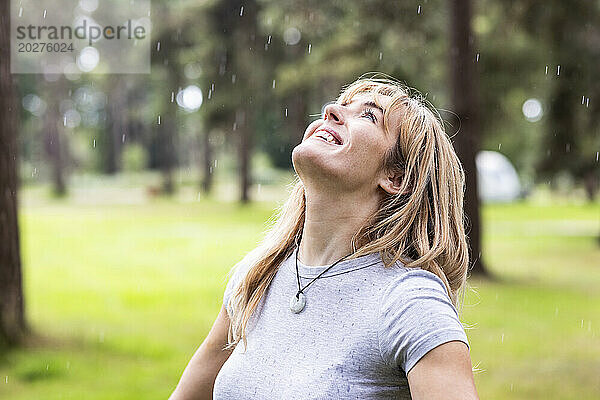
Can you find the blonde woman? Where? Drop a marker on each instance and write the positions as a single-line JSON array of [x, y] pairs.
[[354, 292]]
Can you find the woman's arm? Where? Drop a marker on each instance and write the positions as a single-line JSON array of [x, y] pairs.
[[198, 379], [443, 373]]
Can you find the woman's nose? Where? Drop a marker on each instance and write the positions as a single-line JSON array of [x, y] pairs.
[[333, 111]]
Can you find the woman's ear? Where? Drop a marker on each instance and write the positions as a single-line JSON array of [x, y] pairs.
[[390, 183]]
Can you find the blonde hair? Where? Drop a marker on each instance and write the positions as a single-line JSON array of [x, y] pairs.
[[422, 225]]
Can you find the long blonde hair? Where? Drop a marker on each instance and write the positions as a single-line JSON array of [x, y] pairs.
[[423, 225]]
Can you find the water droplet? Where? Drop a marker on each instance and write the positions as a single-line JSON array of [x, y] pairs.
[[94, 145], [582, 99], [158, 46], [419, 10], [286, 112], [557, 70], [45, 12], [477, 58], [273, 83], [309, 48], [123, 138], [499, 146], [172, 96], [20, 15], [158, 119], [380, 55], [546, 70], [241, 11], [502, 338], [587, 102]]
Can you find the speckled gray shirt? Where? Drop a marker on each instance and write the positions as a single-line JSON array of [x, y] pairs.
[[358, 334]]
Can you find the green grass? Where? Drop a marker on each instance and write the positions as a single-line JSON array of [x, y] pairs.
[[122, 295]]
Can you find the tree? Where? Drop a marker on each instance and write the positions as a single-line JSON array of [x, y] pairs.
[[12, 317], [463, 77]]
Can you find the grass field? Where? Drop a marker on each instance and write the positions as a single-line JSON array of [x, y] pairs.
[[122, 294]]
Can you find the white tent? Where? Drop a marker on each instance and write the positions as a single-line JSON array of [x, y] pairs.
[[497, 179]]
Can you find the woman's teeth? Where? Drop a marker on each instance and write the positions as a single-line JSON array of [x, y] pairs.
[[328, 137]]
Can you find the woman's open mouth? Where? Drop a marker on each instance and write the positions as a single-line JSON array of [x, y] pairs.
[[328, 136]]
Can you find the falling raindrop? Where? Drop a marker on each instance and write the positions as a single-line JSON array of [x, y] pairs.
[[21, 12], [241, 11], [582, 323], [568, 147], [123, 138], [557, 70], [582, 99], [6, 379], [499, 146], [598, 152], [273, 83], [158, 46], [286, 111], [477, 57], [172, 96], [502, 338], [309, 48], [587, 102], [380, 55], [419, 10], [269, 40], [94, 144], [45, 11], [158, 119], [233, 76], [546, 70], [209, 93]]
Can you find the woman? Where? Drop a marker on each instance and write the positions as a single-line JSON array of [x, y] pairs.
[[353, 294]]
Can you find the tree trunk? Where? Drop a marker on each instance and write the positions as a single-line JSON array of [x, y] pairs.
[[245, 140], [53, 139], [207, 163], [12, 316], [465, 101]]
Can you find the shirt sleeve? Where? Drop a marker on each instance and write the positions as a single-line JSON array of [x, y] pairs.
[[415, 316]]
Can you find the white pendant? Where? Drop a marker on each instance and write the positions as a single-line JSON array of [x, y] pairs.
[[297, 304]]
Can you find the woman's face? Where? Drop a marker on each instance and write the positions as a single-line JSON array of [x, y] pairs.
[[345, 149]]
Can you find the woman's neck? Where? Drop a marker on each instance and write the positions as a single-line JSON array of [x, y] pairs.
[[330, 223]]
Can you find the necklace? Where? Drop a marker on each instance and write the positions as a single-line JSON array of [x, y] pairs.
[[298, 302]]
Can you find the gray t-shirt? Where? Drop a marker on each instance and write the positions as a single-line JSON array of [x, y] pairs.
[[363, 326]]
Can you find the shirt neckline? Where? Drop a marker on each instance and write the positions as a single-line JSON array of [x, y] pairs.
[[312, 271]]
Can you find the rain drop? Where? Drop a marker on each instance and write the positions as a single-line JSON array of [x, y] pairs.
[[587, 102], [309, 48], [286, 112], [158, 46], [123, 138], [233, 77], [20, 15], [172, 96], [269, 40], [499, 146], [502, 338], [582, 99], [158, 120], [45, 11], [94, 145], [419, 10], [598, 152], [273, 83], [241, 11], [557, 70], [477, 57], [380, 55], [546, 70]]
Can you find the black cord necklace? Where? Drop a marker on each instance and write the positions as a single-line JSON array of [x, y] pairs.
[[298, 302]]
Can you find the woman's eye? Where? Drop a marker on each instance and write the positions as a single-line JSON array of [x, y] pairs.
[[370, 114]]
